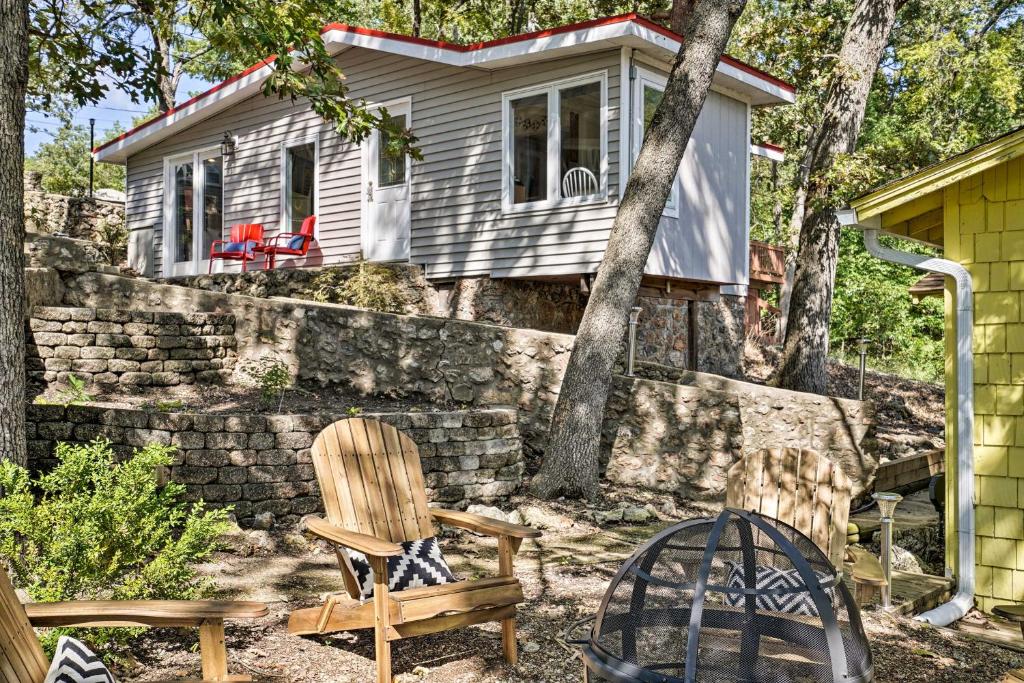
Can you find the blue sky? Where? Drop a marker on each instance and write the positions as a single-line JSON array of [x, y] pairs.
[[116, 107]]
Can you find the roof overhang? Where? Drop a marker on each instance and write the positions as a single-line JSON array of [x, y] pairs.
[[931, 179], [768, 151], [629, 30]]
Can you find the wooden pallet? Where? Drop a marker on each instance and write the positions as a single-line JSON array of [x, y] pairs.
[[911, 473]]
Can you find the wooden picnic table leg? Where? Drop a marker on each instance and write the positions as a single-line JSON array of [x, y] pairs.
[[214, 653]]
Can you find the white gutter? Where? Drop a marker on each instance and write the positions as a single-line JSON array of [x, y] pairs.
[[963, 601]]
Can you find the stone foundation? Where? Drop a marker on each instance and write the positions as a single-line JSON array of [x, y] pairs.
[[262, 463], [134, 348], [77, 217], [664, 334]]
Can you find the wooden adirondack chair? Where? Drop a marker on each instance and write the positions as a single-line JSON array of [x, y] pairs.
[[810, 493], [372, 487], [22, 659]]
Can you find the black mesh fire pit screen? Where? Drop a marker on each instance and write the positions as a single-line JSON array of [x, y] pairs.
[[741, 597]]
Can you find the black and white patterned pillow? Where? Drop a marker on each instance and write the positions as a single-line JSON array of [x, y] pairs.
[[75, 663], [420, 564], [770, 578]]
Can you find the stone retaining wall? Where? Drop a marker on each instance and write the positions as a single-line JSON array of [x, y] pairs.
[[262, 463], [135, 348], [443, 362]]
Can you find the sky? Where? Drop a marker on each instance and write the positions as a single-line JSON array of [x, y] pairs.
[[116, 107]]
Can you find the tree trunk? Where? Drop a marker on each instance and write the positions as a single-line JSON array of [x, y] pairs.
[[13, 81], [166, 79], [417, 18], [810, 306], [680, 14], [570, 464]]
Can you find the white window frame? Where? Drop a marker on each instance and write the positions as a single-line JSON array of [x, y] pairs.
[[285, 224], [554, 190], [199, 258], [645, 77]]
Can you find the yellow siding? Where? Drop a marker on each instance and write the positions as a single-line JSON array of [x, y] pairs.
[[983, 223]]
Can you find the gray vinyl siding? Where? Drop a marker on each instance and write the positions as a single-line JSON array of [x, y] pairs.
[[458, 227], [709, 239]]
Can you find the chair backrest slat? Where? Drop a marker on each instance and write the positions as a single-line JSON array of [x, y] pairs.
[[799, 487], [371, 480], [21, 657]]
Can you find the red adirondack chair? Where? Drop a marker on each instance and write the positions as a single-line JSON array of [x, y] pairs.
[[246, 240], [288, 243]]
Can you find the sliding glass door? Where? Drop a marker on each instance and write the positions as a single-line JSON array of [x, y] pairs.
[[193, 211]]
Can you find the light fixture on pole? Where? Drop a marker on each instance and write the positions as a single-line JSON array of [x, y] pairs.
[[887, 503], [862, 346], [634, 318]]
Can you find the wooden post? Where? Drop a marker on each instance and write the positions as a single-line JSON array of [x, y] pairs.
[[381, 618], [213, 651], [506, 551]]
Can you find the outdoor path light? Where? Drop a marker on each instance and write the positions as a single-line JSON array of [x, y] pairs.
[[887, 503], [862, 345], [634, 318]]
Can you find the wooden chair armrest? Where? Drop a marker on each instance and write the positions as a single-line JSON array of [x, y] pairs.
[[483, 525], [140, 612], [866, 567], [364, 543]]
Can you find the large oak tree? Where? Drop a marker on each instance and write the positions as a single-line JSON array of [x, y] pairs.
[[806, 346], [570, 464]]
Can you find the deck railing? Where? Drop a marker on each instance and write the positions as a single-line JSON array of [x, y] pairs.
[[767, 262]]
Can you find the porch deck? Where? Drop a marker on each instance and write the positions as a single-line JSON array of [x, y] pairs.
[[914, 593]]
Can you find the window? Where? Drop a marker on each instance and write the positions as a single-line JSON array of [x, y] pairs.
[[650, 89], [299, 183], [556, 139], [390, 166]]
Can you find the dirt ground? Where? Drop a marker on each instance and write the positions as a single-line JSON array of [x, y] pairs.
[[564, 575]]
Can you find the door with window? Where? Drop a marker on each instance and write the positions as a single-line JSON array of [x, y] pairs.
[[300, 161], [386, 204], [193, 211]]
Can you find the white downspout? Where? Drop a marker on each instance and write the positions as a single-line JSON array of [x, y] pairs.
[[963, 601]]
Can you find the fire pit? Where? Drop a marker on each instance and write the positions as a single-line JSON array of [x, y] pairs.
[[741, 597]]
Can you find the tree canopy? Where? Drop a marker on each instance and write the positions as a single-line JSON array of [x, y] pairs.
[[64, 163]]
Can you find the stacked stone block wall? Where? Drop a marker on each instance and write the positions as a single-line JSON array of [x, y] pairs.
[[262, 463], [134, 348]]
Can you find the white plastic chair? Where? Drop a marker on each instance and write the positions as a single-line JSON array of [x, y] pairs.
[[579, 182]]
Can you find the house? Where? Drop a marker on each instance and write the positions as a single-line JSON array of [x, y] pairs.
[[527, 144], [971, 207]]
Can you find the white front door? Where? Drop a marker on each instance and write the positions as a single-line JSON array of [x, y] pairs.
[[386, 204], [193, 211]]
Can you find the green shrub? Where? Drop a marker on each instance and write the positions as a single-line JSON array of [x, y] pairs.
[[368, 285], [271, 375], [94, 529]]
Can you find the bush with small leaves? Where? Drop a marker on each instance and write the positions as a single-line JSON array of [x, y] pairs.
[[271, 375], [367, 285], [96, 529]]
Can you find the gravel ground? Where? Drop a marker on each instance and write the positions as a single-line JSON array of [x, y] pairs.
[[564, 575]]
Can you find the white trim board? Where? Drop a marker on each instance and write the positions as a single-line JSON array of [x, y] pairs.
[[615, 33]]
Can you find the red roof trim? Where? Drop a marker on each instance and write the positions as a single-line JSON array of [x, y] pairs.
[[440, 44], [771, 146], [187, 103], [731, 61]]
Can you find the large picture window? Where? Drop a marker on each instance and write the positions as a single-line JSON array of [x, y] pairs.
[[556, 144]]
